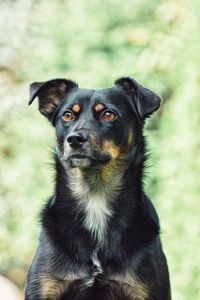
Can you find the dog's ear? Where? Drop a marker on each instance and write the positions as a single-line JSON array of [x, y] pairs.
[[50, 94], [145, 100]]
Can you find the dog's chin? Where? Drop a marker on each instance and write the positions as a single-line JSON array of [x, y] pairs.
[[86, 162], [80, 162]]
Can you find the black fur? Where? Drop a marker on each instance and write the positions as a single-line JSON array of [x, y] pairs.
[[126, 262]]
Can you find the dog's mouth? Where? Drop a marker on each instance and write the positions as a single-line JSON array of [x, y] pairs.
[[79, 161], [85, 161]]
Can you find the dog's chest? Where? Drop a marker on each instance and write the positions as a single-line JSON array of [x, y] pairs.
[[95, 199], [96, 215]]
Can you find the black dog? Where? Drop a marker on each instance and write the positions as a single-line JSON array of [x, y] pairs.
[[100, 232]]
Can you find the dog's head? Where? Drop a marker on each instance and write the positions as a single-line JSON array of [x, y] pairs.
[[95, 127]]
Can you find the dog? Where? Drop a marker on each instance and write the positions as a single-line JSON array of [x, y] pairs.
[[100, 236]]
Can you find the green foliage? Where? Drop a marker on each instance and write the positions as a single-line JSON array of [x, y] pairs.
[[94, 42]]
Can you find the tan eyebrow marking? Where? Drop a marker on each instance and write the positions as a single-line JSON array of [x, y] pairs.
[[99, 107], [76, 108]]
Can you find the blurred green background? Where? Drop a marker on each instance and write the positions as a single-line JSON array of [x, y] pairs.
[[94, 43]]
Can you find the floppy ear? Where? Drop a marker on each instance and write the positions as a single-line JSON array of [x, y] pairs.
[[145, 100], [50, 94]]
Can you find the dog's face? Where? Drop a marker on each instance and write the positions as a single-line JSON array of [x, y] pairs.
[[95, 127]]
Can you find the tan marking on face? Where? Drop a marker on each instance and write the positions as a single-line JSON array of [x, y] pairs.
[[76, 108], [99, 107], [116, 166], [109, 146], [110, 168]]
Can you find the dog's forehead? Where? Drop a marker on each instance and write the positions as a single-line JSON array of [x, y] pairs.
[[94, 96], [109, 94]]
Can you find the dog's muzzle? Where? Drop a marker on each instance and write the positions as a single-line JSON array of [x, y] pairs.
[[76, 140], [80, 153]]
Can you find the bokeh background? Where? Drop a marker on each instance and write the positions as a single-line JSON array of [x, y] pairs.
[[94, 43]]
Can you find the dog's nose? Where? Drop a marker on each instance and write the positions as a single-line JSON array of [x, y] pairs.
[[76, 140]]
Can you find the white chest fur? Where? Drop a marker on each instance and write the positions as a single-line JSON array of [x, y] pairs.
[[95, 204], [95, 198], [97, 214]]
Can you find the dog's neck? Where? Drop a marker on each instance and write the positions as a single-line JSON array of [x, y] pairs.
[[96, 191], [84, 183]]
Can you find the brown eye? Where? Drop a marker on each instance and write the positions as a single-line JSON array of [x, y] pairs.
[[108, 116], [68, 116]]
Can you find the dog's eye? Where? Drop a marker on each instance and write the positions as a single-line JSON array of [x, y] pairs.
[[108, 116], [68, 116]]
